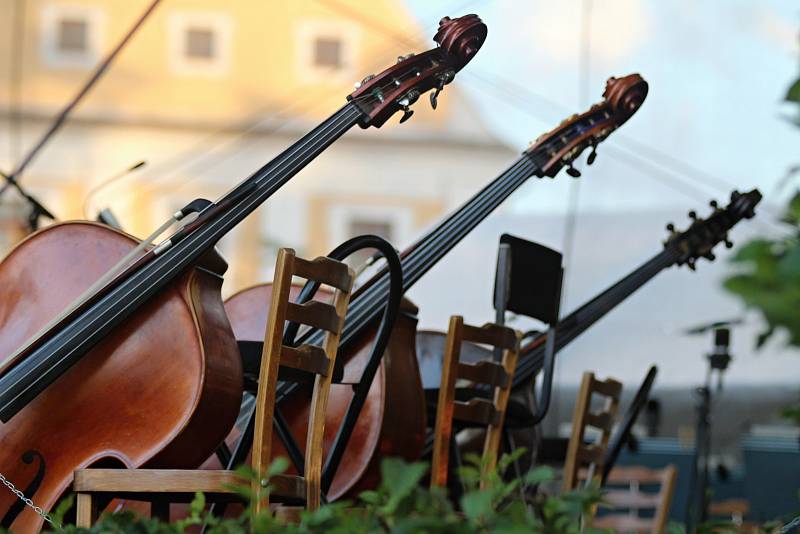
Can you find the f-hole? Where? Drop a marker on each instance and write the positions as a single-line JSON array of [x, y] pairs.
[[28, 457]]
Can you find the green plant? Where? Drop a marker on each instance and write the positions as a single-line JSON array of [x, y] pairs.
[[768, 269], [400, 505]]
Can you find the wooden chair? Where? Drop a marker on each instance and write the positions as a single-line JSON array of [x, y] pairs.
[[580, 453], [162, 486], [477, 410], [634, 500]]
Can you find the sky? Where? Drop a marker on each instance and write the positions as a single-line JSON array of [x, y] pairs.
[[717, 71], [713, 121]]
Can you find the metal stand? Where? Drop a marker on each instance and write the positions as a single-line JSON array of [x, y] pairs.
[[718, 360]]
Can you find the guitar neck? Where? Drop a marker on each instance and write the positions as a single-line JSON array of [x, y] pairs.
[[62, 349]]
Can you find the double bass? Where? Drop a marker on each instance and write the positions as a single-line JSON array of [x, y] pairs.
[[392, 420], [144, 370]]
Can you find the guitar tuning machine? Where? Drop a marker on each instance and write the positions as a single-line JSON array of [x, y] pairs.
[[592, 154], [443, 79], [713, 204], [405, 103], [671, 228], [693, 215], [572, 171], [367, 78]]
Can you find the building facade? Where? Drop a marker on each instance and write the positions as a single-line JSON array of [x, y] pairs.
[[207, 92]]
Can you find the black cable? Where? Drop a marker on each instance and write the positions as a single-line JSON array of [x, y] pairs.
[[391, 310]]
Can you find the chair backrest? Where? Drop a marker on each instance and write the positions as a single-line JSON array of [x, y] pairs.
[[477, 410], [580, 453], [306, 358], [633, 500]]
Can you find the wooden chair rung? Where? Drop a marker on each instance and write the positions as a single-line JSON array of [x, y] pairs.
[[307, 358], [288, 487], [484, 372], [314, 313], [636, 473], [592, 454], [324, 270], [601, 421], [623, 523], [156, 481], [631, 499], [491, 334], [479, 411], [608, 387]]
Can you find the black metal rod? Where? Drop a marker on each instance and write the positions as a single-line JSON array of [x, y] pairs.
[[98, 73]]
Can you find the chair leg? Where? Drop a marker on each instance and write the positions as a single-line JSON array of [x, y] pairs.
[[86, 511]]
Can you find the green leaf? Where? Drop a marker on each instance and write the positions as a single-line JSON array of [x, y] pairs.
[[477, 504], [793, 94]]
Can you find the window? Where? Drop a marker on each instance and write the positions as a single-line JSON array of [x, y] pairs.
[[71, 35], [326, 51], [388, 220], [199, 43]]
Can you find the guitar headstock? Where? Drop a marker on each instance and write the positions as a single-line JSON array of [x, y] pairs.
[[395, 89], [698, 241], [562, 146]]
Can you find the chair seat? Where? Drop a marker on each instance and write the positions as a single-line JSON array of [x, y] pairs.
[[178, 481]]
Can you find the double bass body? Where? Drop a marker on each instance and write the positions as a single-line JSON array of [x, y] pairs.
[[161, 390]]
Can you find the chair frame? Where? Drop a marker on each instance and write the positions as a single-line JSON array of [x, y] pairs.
[[634, 500], [477, 410], [163, 486], [578, 452]]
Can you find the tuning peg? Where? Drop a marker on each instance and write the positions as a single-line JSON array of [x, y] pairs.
[[710, 256], [693, 215], [592, 154], [572, 171], [728, 243], [435, 94], [670, 227], [407, 112], [713, 204], [691, 264]]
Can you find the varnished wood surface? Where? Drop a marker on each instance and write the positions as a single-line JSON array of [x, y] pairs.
[[162, 389]]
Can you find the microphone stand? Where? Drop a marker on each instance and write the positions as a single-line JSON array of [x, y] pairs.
[[37, 209], [718, 361]]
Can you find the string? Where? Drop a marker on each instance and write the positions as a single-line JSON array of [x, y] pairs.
[[46, 362]]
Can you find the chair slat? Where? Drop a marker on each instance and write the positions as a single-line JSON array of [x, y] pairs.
[[156, 480], [601, 421], [592, 454], [307, 358], [324, 270], [609, 387], [480, 411], [491, 334], [314, 313], [623, 523], [632, 499], [484, 372], [636, 473]]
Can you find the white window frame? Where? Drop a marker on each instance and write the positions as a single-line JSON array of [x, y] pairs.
[[340, 216], [306, 34], [221, 24], [53, 56]]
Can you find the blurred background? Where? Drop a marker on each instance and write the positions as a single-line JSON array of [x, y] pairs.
[[208, 91]]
